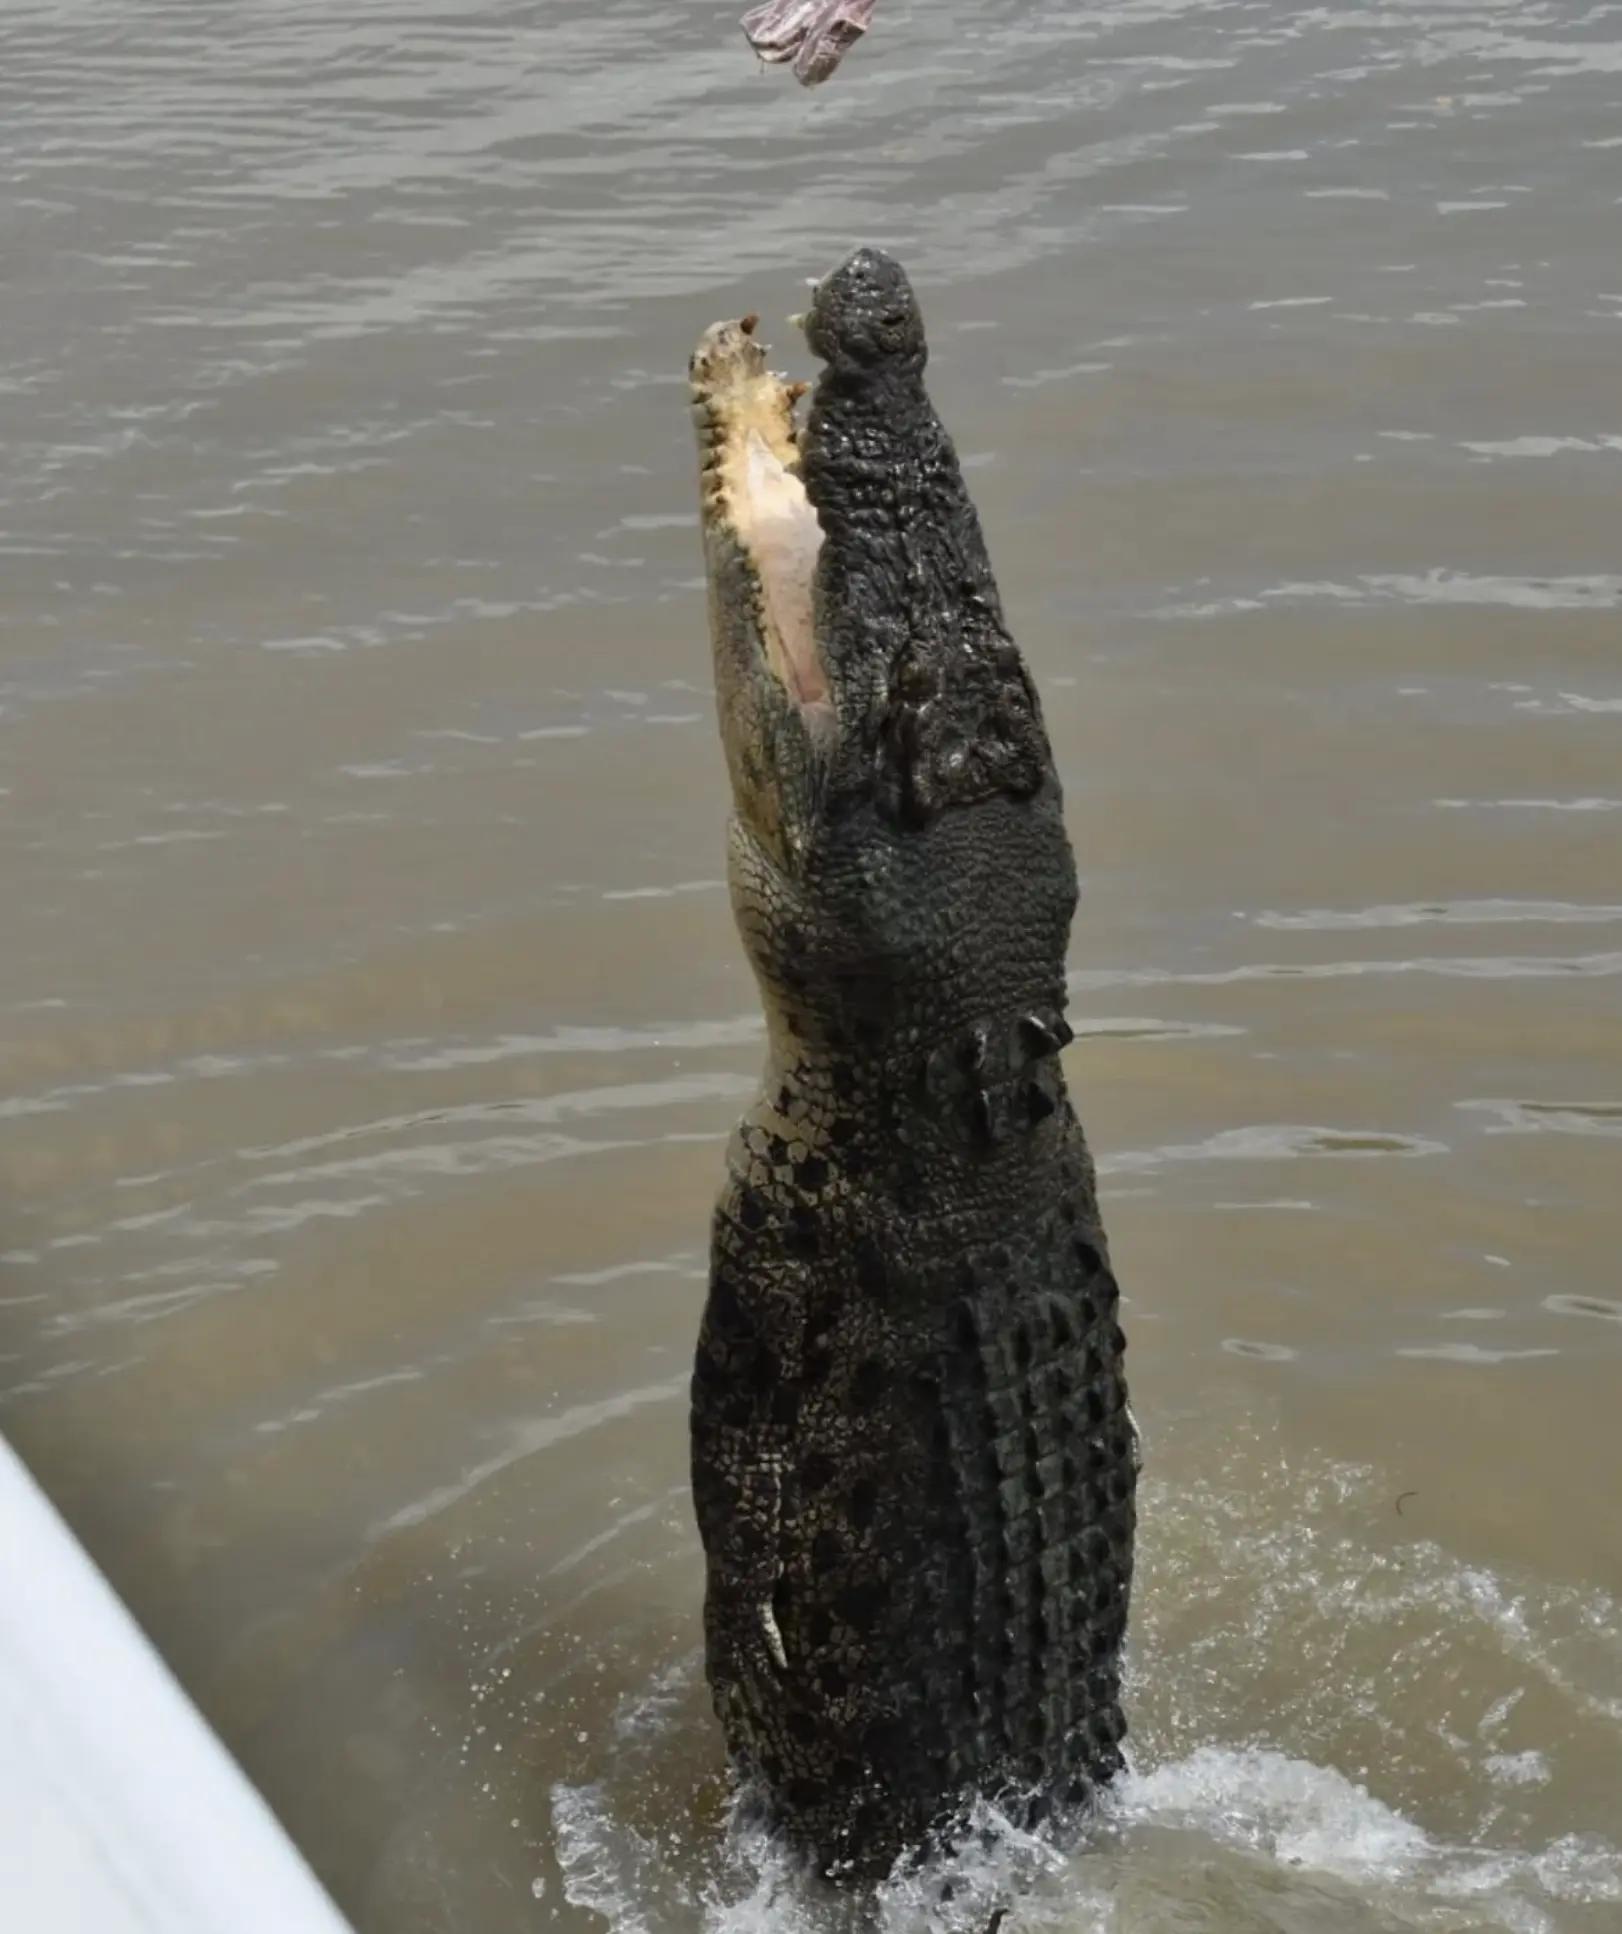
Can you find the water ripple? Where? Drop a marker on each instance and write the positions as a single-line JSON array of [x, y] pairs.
[[1549, 1117], [1485, 967], [1275, 1142], [528, 1439], [1603, 1309], [1447, 913]]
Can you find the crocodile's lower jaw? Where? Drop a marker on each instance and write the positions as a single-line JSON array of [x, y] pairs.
[[752, 488]]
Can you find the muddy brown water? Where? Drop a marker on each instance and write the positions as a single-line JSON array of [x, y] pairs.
[[372, 1014]]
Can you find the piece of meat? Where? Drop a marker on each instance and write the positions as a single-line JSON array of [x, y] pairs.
[[815, 35]]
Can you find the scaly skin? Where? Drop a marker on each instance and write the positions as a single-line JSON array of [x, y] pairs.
[[914, 1467]]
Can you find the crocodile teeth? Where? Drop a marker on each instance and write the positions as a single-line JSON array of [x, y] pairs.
[[1036, 1037], [1039, 1037], [1039, 1101], [774, 1635]]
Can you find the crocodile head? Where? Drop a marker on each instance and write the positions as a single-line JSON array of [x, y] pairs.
[[899, 866]]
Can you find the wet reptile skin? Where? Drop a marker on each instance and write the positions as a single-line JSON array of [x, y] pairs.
[[914, 1467]]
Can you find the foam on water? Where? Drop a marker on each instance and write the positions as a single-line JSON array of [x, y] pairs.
[[1445, 1678], [1228, 1839]]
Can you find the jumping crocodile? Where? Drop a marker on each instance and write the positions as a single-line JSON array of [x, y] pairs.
[[914, 1467]]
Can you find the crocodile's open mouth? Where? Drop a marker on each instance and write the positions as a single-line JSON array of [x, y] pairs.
[[752, 488]]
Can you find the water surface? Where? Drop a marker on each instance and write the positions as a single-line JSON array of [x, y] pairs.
[[372, 1017]]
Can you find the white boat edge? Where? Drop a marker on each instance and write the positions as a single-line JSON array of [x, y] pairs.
[[122, 1812]]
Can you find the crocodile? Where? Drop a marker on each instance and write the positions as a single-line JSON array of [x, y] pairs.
[[913, 1463]]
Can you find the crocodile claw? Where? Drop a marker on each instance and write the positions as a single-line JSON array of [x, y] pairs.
[[815, 35]]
